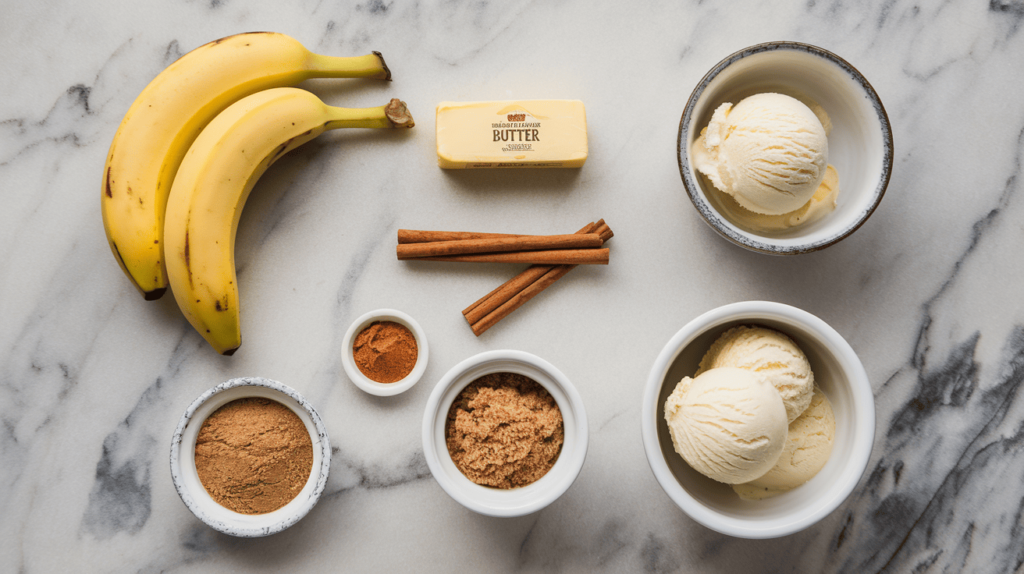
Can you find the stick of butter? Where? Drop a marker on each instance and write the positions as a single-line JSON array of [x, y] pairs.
[[512, 133]]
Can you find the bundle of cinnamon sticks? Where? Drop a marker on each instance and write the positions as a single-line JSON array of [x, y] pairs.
[[550, 257]]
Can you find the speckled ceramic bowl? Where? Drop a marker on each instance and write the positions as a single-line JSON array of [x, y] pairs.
[[839, 374], [860, 145], [183, 466]]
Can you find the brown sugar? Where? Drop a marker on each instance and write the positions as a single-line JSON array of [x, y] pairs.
[[504, 430], [385, 351], [253, 455]]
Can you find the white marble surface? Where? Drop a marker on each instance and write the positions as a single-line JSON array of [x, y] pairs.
[[93, 379]]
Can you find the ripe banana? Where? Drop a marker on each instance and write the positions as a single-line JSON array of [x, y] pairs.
[[168, 115], [214, 181]]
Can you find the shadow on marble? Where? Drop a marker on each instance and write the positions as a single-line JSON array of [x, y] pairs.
[[488, 181]]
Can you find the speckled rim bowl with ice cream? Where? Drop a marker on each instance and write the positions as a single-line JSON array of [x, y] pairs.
[[860, 144], [839, 374], [516, 501], [190, 488]]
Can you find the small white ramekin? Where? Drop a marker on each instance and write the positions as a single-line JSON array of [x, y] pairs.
[[838, 372], [190, 488], [516, 501], [369, 385], [860, 146]]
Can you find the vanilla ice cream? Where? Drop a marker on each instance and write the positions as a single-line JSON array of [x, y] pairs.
[[808, 446], [769, 152], [728, 424], [821, 204], [770, 355]]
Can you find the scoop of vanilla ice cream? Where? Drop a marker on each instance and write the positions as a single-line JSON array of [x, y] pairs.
[[770, 355], [769, 152], [727, 424], [821, 204], [808, 447]]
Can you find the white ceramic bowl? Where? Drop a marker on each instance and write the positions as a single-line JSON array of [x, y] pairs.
[[183, 465], [369, 385], [516, 501], [860, 145], [838, 372]]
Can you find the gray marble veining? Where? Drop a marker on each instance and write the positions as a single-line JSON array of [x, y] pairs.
[[93, 379]]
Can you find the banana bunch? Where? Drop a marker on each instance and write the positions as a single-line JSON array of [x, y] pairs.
[[191, 148], [215, 179]]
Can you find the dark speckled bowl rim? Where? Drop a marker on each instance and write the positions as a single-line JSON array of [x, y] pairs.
[[323, 471], [751, 240]]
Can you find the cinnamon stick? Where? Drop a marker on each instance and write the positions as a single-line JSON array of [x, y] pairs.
[[517, 301], [418, 236], [552, 257], [482, 321], [498, 245], [513, 286]]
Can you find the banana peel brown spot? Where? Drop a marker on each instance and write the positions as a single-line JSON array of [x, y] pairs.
[[217, 305], [117, 253], [279, 151], [154, 294], [188, 262]]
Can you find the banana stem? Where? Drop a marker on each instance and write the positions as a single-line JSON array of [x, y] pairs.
[[368, 66], [393, 115]]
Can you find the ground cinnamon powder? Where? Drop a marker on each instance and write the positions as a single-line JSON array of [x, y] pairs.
[[385, 351], [504, 430], [253, 455]]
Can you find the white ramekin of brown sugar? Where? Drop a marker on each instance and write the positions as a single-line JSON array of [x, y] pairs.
[[521, 500], [198, 499]]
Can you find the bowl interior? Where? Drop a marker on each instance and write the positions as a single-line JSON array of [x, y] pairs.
[[858, 143], [369, 385], [515, 501], [221, 518], [828, 374]]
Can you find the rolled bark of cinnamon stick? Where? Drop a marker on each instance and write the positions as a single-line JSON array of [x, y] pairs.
[[498, 245], [504, 292], [513, 286], [419, 236], [552, 257], [517, 301]]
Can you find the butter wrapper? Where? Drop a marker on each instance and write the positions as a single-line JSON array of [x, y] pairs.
[[511, 133]]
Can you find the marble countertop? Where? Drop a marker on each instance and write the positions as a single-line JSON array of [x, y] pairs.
[[928, 292]]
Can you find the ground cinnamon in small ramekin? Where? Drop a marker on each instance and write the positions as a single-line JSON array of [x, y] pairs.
[[385, 351], [253, 455], [504, 430]]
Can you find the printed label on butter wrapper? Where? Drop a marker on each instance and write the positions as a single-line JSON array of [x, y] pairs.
[[527, 133]]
